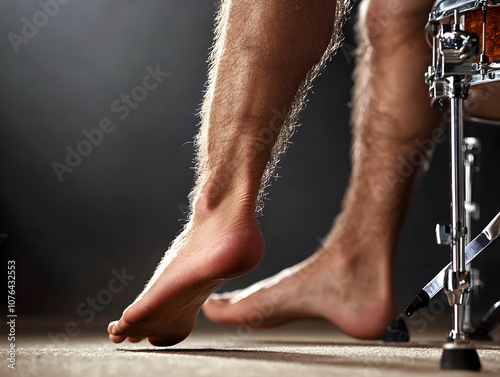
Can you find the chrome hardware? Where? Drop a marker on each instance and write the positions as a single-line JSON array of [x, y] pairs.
[[443, 234]]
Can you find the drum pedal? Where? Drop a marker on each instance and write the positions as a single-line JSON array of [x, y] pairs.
[[397, 331], [462, 57], [472, 250]]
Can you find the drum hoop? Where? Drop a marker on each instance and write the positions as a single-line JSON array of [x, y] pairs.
[[476, 80], [492, 76], [446, 8]]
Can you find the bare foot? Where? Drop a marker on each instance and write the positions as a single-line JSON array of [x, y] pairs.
[[347, 283], [223, 243]]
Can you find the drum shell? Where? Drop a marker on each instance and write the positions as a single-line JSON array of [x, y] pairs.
[[473, 23], [483, 102], [484, 97]]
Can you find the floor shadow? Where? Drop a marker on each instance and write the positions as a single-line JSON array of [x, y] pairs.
[[376, 362], [368, 343]]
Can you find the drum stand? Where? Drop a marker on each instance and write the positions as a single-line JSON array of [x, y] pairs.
[[458, 353], [449, 77]]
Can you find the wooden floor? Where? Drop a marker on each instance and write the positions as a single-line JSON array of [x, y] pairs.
[[304, 349]]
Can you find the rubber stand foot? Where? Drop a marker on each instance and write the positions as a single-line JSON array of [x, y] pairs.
[[460, 358], [397, 331]]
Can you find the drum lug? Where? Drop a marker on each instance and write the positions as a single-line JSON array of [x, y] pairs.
[[456, 51], [458, 46]]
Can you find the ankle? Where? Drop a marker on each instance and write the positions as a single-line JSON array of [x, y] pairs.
[[374, 223], [216, 196], [357, 243]]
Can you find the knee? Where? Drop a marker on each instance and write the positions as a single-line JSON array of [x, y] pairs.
[[383, 21]]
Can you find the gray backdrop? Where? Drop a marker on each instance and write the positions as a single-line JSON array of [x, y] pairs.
[[63, 72]]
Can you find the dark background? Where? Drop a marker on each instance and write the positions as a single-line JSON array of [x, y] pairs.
[[122, 206]]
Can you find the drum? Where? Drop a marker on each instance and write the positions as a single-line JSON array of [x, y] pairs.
[[483, 102]]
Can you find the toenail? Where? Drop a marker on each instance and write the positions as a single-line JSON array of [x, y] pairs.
[[112, 323]]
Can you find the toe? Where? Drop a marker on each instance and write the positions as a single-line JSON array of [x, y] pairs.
[[216, 301], [117, 338], [224, 296], [220, 311], [111, 325], [117, 328], [215, 304], [215, 297]]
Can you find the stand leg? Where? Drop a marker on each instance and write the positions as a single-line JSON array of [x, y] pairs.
[[459, 353], [490, 320]]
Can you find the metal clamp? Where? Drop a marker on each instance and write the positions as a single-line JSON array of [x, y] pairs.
[[443, 234], [457, 286]]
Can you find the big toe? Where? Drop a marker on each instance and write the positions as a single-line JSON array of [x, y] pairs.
[[220, 301], [111, 325], [224, 309], [116, 328], [117, 338], [215, 304], [226, 296]]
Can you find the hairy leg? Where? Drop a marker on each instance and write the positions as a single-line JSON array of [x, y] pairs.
[[265, 55], [349, 280]]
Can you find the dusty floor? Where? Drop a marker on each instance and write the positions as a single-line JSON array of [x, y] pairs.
[[303, 349]]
